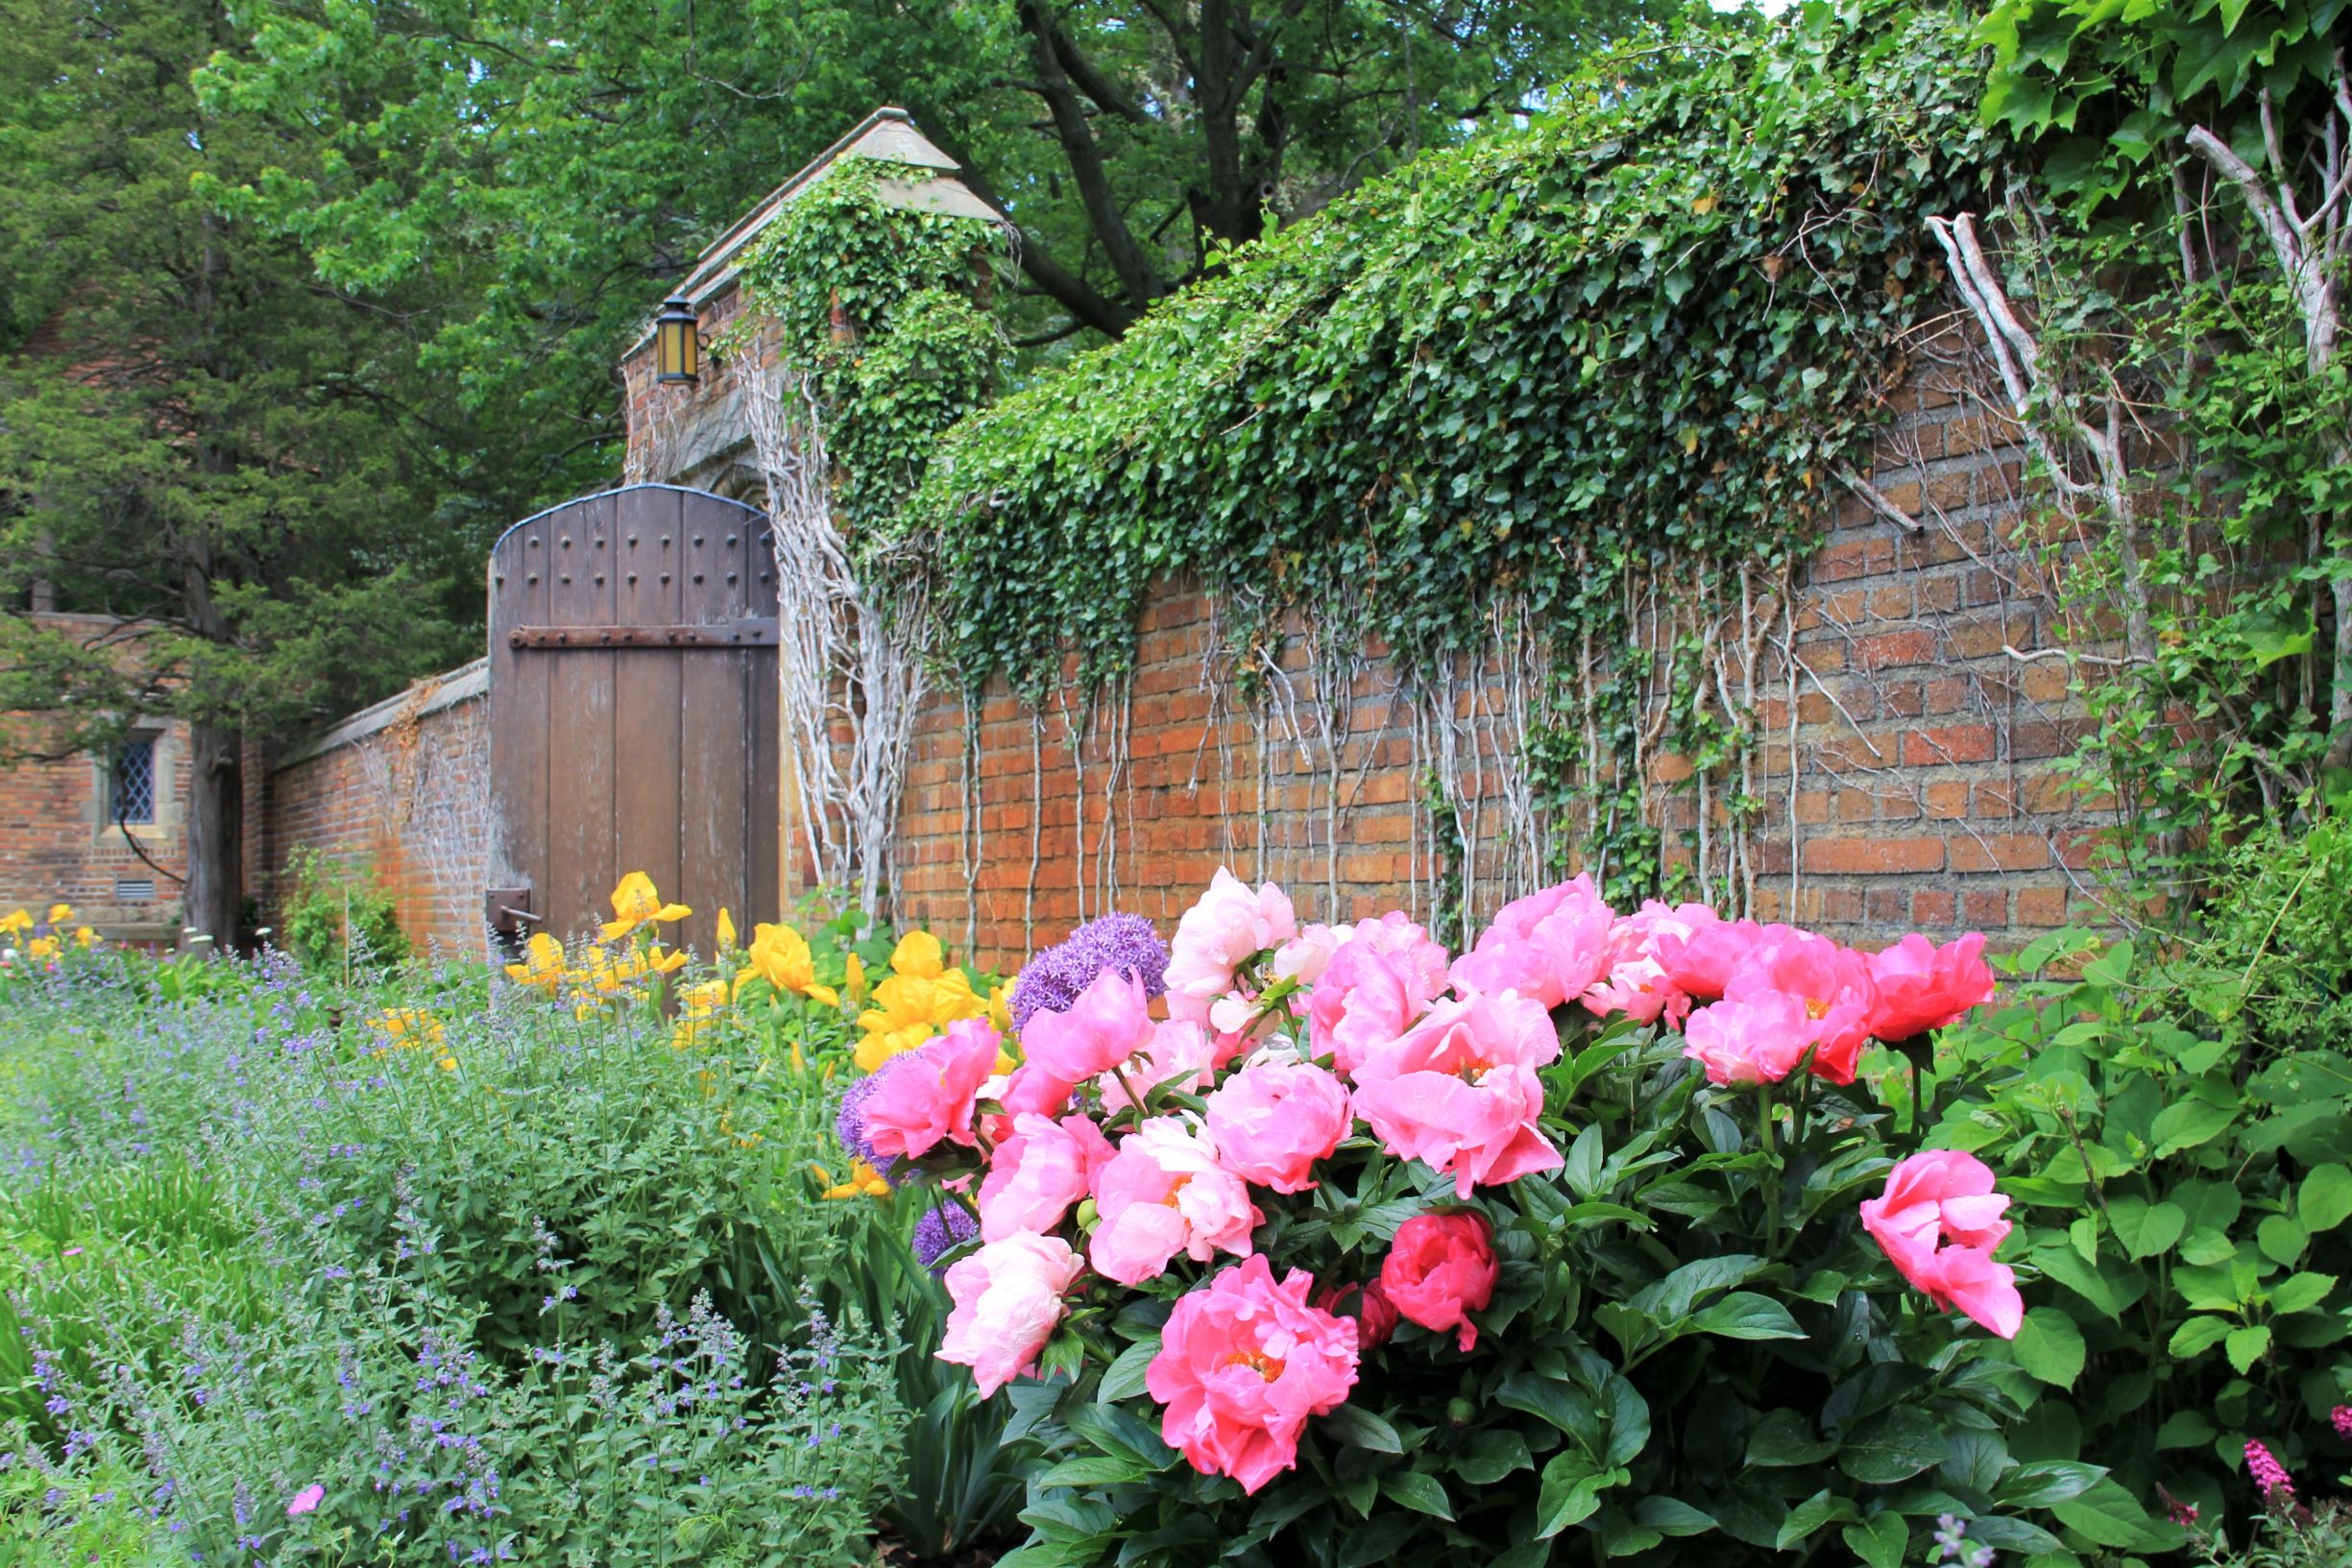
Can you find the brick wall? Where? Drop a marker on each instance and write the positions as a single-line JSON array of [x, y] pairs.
[[57, 845], [405, 786], [1914, 788]]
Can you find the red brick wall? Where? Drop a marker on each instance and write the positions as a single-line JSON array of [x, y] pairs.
[[1922, 797], [55, 845], [403, 787]]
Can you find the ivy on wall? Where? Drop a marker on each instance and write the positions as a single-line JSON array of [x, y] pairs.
[[1640, 337]]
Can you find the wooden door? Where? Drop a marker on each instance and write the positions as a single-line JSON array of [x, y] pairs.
[[633, 709]]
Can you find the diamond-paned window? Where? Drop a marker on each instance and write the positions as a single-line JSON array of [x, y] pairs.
[[134, 784]]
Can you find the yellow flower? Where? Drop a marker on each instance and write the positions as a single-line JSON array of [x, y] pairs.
[[780, 956], [17, 920], [636, 904], [726, 930], [84, 936], [543, 962], [42, 947], [61, 913], [1000, 1007], [853, 983], [864, 1181], [919, 957], [447, 1064], [665, 964], [703, 1002], [909, 1010], [405, 1027]]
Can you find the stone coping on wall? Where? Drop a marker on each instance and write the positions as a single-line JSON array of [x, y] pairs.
[[446, 689]]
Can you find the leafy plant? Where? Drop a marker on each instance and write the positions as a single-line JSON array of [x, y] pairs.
[[338, 915], [2182, 1192]]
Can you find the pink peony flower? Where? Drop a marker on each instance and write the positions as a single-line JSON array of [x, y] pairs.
[[1216, 935], [1830, 982], [931, 1096], [1182, 1054], [1242, 1364], [1439, 1269], [1031, 1089], [1162, 1192], [1008, 1299], [1701, 965], [1636, 983], [1757, 1040], [1377, 983], [307, 1499], [1271, 1122], [1304, 956], [1549, 946], [1939, 1221], [1109, 1022], [1459, 1090], [1038, 1173], [1919, 986], [1375, 1317]]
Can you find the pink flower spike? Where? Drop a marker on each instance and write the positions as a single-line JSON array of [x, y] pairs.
[[307, 1499], [2340, 1418], [2269, 1474]]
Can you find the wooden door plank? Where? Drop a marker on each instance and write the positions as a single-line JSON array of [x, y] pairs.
[[713, 719], [645, 697], [763, 799], [583, 863], [519, 584]]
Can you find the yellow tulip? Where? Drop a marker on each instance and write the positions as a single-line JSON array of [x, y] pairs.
[[726, 930], [61, 913], [543, 962], [918, 955], [853, 985], [634, 904]]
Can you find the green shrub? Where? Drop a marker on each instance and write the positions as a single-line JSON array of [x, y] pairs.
[[2181, 1188], [338, 916]]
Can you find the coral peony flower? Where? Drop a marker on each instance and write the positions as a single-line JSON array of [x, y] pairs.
[[1272, 1122], [1636, 983], [1549, 946], [1439, 1269], [1163, 1192], [1759, 1040], [1037, 1173], [1109, 1022], [1378, 981], [933, 1096], [1242, 1364], [1216, 935], [1375, 1317], [1939, 1221], [1459, 1090], [1008, 1299], [1832, 985], [1921, 986]]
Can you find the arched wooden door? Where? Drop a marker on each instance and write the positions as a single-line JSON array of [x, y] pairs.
[[633, 710]]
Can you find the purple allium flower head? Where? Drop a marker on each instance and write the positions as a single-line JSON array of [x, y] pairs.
[[943, 1227], [1052, 981]]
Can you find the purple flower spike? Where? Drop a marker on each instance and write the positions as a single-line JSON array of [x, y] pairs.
[[944, 1226], [1053, 979], [849, 1124]]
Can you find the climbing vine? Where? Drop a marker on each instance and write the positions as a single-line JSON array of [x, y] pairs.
[[1609, 372]]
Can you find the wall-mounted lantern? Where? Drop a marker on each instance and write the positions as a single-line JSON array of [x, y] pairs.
[[677, 342]]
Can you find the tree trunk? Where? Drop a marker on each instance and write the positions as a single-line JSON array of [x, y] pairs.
[[215, 888]]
